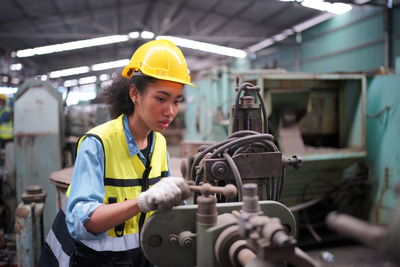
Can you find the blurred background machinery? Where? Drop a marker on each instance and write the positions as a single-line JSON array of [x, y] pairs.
[[46, 133], [45, 136], [249, 154], [38, 140], [320, 117]]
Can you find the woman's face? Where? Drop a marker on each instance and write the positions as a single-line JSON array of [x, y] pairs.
[[158, 105]]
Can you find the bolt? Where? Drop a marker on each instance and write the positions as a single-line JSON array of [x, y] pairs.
[[173, 239], [187, 242], [219, 169]]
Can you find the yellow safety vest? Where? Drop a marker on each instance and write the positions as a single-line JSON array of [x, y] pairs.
[[125, 178], [6, 128]]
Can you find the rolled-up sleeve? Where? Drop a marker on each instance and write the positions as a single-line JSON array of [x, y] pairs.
[[87, 189]]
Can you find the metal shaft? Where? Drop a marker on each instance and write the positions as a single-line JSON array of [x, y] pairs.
[[207, 189]]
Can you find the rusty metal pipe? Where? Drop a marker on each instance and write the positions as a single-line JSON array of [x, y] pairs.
[[371, 235], [240, 254], [245, 255]]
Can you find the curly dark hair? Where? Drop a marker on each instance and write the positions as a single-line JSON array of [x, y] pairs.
[[117, 95]]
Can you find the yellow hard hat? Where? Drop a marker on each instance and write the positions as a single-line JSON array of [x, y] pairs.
[[160, 59], [3, 97]]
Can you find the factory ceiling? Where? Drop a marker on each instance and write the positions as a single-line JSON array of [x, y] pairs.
[[234, 23]]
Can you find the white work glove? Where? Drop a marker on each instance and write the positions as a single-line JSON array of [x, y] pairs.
[[165, 194]]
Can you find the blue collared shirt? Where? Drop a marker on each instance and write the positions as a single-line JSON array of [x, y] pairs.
[[87, 190]]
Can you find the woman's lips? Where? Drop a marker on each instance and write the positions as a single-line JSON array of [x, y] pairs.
[[164, 124]]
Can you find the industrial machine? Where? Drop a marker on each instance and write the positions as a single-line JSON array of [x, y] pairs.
[[38, 140], [382, 238], [247, 232], [248, 155], [321, 117], [78, 120], [46, 133], [210, 234], [29, 230]]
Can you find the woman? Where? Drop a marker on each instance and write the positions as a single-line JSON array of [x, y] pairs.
[[118, 161]]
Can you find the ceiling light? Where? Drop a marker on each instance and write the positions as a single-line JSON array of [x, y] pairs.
[[335, 8], [104, 77], [17, 66], [339, 8], [286, 33], [263, 44], [44, 77], [147, 35], [8, 90], [87, 80], [72, 45], [312, 22], [110, 65], [69, 72], [81, 93], [70, 83], [133, 35], [315, 4], [15, 80], [211, 48]]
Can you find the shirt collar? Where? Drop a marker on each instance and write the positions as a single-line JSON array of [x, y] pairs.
[[132, 146]]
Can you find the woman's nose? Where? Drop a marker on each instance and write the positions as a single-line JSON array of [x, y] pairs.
[[169, 110]]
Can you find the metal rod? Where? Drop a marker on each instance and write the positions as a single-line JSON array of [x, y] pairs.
[[245, 256], [206, 189]]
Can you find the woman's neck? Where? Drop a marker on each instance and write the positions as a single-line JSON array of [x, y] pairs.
[[139, 130]]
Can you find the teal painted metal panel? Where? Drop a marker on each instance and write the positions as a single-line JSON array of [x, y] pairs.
[[284, 56], [396, 47], [352, 42], [397, 65], [38, 140], [356, 34], [367, 58], [354, 110], [341, 20], [207, 108], [383, 133]]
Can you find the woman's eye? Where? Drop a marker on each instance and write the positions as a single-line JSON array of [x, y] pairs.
[[161, 99], [178, 101]]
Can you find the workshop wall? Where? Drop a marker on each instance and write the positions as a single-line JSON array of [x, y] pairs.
[[362, 49], [383, 131], [320, 50]]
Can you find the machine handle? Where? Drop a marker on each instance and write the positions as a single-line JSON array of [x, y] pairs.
[[206, 189]]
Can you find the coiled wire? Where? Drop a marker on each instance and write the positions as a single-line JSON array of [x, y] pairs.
[[239, 142]]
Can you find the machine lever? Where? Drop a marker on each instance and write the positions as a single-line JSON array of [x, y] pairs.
[[206, 189]]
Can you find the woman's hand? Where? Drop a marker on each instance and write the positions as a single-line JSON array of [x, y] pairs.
[[165, 194]]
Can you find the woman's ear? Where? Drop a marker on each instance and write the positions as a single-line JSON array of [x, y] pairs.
[[133, 93]]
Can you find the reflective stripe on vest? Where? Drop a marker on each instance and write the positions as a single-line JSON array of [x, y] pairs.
[[59, 244], [110, 243], [56, 248]]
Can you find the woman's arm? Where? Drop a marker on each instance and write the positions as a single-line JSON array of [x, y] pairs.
[[86, 190], [108, 216], [89, 218]]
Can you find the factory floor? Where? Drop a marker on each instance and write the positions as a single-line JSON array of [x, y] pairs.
[[350, 255]]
